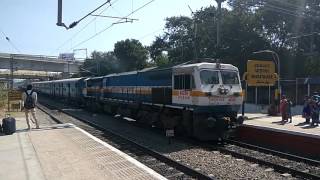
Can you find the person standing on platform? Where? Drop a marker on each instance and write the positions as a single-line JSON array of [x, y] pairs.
[[289, 105], [283, 108], [306, 113], [29, 98], [315, 109], [307, 110]]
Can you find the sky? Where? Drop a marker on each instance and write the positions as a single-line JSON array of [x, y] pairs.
[[31, 24]]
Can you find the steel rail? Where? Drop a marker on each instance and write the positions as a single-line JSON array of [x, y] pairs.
[[177, 165], [276, 167], [278, 153]]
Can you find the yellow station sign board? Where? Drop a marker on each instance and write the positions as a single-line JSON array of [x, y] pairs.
[[260, 73], [14, 95]]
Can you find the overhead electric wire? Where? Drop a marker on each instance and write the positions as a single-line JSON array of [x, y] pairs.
[[9, 41], [296, 11], [150, 33], [76, 22], [117, 22], [73, 36], [290, 5], [280, 10]]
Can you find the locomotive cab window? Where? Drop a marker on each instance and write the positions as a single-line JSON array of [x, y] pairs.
[[209, 77], [229, 77], [185, 81]]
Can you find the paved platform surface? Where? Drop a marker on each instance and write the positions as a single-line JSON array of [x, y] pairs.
[[296, 127], [64, 152]]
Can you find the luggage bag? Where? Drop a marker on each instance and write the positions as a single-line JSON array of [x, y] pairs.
[[9, 125]]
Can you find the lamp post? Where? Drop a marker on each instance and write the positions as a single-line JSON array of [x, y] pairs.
[[276, 59]]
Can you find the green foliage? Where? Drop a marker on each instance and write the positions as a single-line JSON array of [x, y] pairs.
[[162, 60], [132, 55], [246, 26], [312, 66], [100, 63]]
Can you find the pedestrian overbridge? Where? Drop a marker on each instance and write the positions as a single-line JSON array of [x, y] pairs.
[[38, 63], [23, 74]]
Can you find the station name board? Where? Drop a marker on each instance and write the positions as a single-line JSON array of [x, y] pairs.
[[260, 73]]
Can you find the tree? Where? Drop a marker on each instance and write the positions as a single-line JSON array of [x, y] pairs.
[[132, 55], [157, 47], [179, 38], [100, 63]]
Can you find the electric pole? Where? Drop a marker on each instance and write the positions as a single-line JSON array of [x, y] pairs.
[[219, 2], [195, 28], [11, 72]]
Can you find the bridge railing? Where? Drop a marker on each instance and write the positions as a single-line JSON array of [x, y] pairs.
[[38, 57]]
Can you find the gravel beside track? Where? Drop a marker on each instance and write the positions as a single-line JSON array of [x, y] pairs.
[[301, 166], [210, 162]]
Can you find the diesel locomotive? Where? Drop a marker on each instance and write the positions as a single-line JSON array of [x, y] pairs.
[[200, 100]]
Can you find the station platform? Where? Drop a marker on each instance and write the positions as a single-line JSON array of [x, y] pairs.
[[298, 125], [64, 152], [297, 137]]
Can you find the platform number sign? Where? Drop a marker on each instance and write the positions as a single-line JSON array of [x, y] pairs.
[[169, 135], [169, 132]]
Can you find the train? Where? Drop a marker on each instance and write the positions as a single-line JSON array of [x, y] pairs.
[[200, 100]]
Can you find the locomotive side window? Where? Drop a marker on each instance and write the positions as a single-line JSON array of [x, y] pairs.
[[209, 77], [177, 82], [185, 81], [229, 77]]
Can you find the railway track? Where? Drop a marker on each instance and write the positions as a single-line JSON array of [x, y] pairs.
[[165, 166], [282, 162]]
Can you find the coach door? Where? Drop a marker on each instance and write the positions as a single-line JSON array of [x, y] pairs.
[[61, 84], [69, 90], [54, 90]]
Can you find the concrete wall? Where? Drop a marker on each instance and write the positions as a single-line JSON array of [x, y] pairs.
[[252, 108]]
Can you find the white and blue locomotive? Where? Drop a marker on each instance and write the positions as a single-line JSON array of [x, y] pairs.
[[200, 99]]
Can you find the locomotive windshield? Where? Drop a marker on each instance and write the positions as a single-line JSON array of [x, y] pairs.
[[229, 77], [209, 77]]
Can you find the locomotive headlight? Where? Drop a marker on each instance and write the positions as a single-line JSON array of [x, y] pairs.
[[208, 94], [211, 122], [237, 94]]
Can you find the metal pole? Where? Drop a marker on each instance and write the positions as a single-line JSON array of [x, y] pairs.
[[68, 69], [218, 21], [308, 89], [59, 18], [279, 71], [243, 101], [256, 95], [296, 91], [11, 72], [195, 39], [246, 92], [269, 95]]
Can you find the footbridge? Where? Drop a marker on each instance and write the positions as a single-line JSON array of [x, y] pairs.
[[38, 63]]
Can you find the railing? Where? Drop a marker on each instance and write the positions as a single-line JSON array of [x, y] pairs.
[[31, 73], [38, 57]]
